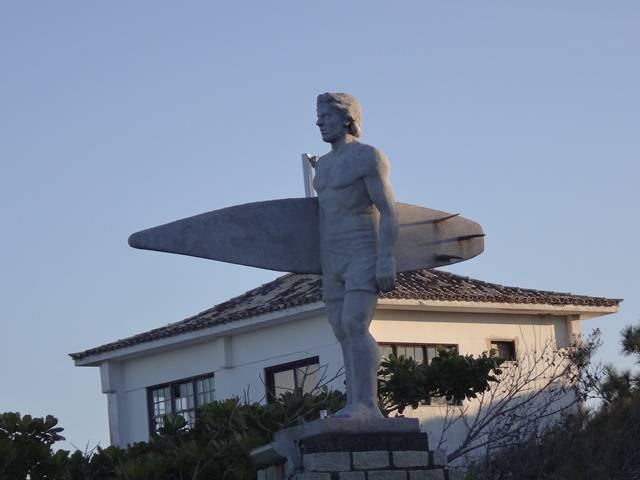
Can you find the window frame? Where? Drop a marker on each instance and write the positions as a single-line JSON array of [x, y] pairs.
[[171, 385], [269, 374], [424, 346], [512, 341]]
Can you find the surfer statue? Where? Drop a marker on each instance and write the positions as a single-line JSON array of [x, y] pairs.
[[353, 234], [356, 248]]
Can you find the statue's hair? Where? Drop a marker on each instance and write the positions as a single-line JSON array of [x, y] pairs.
[[348, 105]]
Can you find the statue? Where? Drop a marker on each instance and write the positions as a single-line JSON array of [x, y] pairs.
[[356, 250], [354, 234]]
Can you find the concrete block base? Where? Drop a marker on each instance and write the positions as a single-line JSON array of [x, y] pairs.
[[331, 451], [371, 456]]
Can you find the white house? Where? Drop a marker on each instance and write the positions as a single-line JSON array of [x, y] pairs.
[[269, 335]]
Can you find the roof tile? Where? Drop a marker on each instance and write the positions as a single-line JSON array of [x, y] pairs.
[[293, 290]]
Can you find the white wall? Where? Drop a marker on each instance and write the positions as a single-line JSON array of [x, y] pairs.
[[239, 361], [237, 371], [472, 332]]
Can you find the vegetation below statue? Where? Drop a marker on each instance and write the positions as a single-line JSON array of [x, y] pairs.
[[602, 442], [226, 430]]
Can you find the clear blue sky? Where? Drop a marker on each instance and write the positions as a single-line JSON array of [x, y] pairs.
[[116, 116]]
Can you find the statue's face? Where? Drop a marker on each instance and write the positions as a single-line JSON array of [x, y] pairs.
[[331, 122]]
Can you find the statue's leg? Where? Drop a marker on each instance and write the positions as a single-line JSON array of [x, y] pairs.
[[357, 313], [334, 312]]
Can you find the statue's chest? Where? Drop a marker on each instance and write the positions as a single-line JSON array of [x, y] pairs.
[[335, 174]]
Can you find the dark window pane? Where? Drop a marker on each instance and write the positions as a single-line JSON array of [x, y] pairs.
[[204, 388], [283, 382], [308, 377], [158, 423], [386, 350], [161, 402], [186, 389], [401, 351], [415, 352], [184, 403], [432, 352], [303, 374], [418, 354], [504, 349]]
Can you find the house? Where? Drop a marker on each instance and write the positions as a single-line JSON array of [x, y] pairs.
[[277, 334]]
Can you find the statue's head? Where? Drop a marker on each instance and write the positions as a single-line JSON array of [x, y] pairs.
[[338, 114]]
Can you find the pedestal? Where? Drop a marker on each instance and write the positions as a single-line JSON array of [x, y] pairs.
[[351, 449]]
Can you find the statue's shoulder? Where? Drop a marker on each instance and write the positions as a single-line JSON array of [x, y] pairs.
[[373, 160]]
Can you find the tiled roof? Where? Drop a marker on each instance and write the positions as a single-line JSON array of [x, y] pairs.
[[293, 290]]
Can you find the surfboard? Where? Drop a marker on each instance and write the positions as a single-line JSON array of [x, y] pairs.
[[283, 235]]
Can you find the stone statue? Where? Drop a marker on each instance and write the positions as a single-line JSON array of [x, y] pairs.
[[356, 249], [353, 234]]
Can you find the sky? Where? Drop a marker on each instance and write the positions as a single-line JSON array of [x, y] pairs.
[[117, 116]]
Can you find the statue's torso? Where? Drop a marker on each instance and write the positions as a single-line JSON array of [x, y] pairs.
[[346, 212]]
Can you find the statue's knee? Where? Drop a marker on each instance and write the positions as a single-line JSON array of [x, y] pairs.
[[338, 332], [355, 329]]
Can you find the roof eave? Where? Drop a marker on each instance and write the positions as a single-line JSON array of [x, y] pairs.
[[304, 311], [201, 335], [585, 311]]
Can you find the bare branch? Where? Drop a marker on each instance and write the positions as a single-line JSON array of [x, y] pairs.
[[532, 392]]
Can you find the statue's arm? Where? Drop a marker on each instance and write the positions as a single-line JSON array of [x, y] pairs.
[[379, 189]]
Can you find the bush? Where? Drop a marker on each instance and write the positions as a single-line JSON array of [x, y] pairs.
[[217, 447], [25, 447], [225, 431], [601, 444], [404, 383]]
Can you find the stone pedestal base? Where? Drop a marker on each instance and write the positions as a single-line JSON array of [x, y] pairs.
[[369, 456], [346, 449]]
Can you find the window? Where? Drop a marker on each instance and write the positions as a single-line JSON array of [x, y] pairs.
[[421, 353], [505, 349], [286, 377], [179, 398]]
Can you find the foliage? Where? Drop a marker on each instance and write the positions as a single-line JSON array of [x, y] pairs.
[[403, 383], [225, 431], [26, 447], [625, 384], [601, 443], [296, 407], [217, 447]]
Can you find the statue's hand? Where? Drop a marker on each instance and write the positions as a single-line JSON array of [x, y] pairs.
[[386, 272], [313, 160]]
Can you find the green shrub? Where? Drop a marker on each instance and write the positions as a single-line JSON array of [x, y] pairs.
[[226, 430], [25, 447], [403, 383]]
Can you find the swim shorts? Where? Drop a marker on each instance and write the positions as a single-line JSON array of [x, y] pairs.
[[348, 269]]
